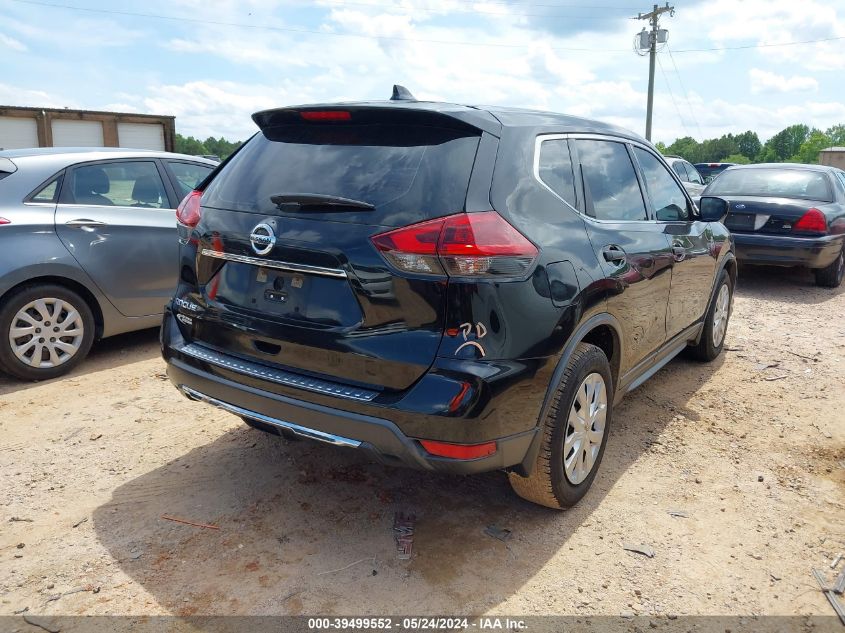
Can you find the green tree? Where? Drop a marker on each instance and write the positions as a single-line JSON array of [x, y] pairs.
[[785, 145], [739, 159], [661, 147], [189, 145], [809, 150], [712, 150], [220, 146], [836, 134], [749, 144], [686, 147]]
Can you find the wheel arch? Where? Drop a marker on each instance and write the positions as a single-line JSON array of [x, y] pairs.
[[605, 332], [728, 265], [70, 284]]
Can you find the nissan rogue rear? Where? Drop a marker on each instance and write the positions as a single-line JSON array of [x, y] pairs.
[[432, 284]]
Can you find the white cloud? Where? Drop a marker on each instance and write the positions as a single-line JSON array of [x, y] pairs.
[[763, 81], [16, 96], [12, 43]]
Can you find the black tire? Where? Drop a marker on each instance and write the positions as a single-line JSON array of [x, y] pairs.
[[17, 300], [548, 483], [831, 276], [706, 350]]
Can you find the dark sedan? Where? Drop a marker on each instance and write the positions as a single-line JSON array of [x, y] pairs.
[[787, 215]]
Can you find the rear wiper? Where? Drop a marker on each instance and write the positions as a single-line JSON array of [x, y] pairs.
[[314, 201]]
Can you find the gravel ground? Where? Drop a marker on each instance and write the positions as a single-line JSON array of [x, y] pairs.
[[750, 449]]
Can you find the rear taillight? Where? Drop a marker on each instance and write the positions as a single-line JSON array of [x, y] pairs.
[[5, 221], [462, 245], [811, 222], [188, 212]]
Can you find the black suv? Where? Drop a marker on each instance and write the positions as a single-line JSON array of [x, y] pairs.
[[445, 287]]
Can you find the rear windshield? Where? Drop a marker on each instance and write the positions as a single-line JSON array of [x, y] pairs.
[[776, 183], [408, 172]]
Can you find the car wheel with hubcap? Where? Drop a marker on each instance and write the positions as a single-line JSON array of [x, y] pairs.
[[574, 433], [716, 323], [46, 331], [831, 276]]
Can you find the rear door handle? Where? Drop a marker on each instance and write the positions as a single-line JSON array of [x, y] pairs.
[[83, 222], [679, 252], [613, 254]]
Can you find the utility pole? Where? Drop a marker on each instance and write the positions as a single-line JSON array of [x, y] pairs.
[[649, 40]]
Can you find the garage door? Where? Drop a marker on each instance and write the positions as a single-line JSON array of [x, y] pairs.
[[18, 132], [141, 135], [77, 133]]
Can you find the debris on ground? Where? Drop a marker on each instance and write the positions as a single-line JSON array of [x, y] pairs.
[[771, 378], [645, 550], [503, 534], [96, 436], [764, 366], [80, 522], [333, 571], [678, 513], [167, 517], [836, 561], [20, 520], [839, 583], [403, 533], [829, 594]]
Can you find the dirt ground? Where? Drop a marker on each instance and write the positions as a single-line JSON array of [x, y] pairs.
[[750, 448]]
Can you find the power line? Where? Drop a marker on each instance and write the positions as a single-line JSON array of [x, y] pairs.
[[739, 48], [265, 27], [672, 95], [561, 6], [684, 88], [469, 9]]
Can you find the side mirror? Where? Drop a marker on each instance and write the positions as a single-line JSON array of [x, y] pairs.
[[713, 209]]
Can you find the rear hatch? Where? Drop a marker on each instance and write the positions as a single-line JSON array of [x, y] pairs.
[[771, 200], [285, 265]]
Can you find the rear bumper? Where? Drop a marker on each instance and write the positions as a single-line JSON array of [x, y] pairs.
[[775, 250], [339, 421]]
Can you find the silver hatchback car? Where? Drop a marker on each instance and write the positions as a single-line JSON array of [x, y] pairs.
[[88, 249]]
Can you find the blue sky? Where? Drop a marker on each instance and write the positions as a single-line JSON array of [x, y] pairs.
[[211, 63]]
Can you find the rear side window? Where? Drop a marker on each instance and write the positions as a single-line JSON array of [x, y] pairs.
[[693, 174], [47, 193], [187, 176], [555, 169], [773, 182], [678, 166], [409, 173], [611, 188], [666, 195]]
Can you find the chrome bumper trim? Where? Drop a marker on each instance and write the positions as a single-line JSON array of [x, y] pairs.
[[275, 264], [302, 431], [278, 376]]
